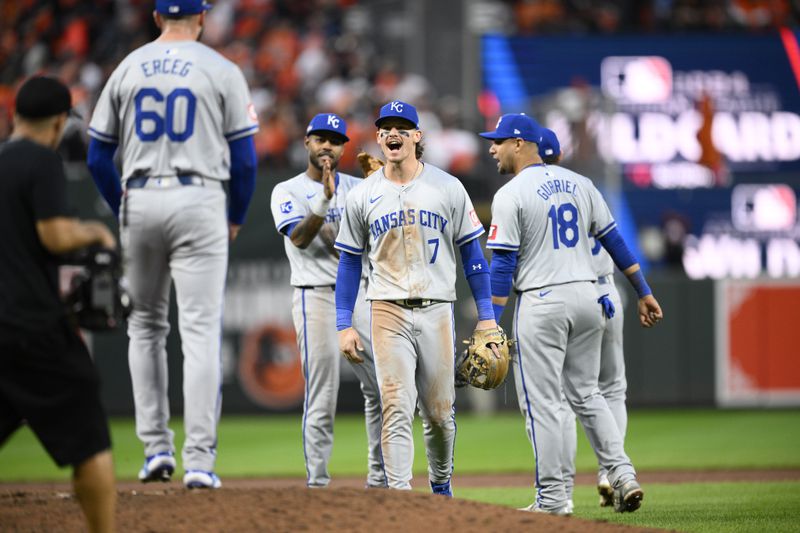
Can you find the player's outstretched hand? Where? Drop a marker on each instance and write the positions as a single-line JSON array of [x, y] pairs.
[[233, 230], [350, 345], [328, 179], [649, 311]]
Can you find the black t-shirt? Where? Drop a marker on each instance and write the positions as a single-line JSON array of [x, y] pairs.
[[32, 188]]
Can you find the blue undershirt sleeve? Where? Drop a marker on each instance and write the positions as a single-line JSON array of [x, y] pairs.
[[476, 270], [100, 160], [504, 263], [347, 280], [617, 249], [243, 178], [624, 259]]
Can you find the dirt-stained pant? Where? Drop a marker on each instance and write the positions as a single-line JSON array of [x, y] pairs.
[[558, 331], [181, 235], [314, 312], [414, 357]]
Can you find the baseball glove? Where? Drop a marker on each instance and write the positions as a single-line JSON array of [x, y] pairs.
[[369, 164], [484, 364]]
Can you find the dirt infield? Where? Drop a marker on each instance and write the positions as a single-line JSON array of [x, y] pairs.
[[274, 504]]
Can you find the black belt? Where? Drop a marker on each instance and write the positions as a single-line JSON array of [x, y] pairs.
[[312, 287], [415, 303], [140, 182]]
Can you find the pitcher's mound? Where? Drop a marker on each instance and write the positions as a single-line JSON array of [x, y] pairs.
[[284, 509]]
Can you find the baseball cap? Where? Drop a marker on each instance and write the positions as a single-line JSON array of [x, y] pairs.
[[328, 122], [182, 7], [398, 109], [41, 97], [549, 145], [515, 126]]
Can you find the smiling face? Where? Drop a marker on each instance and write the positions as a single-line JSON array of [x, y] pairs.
[[324, 146], [503, 151], [398, 139]]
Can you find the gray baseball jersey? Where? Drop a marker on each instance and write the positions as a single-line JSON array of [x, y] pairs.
[[410, 233], [172, 108], [545, 213], [291, 202], [314, 312]]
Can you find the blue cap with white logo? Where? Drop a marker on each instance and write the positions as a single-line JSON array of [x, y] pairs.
[[398, 109], [549, 145], [181, 7], [515, 126], [328, 122]]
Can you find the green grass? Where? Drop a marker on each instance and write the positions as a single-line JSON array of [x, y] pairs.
[[657, 440], [694, 507], [271, 445]]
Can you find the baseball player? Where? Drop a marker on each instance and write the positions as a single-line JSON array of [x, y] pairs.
[[613, 385], [181, 116], [408, 218], [307, 210], [539, 222]]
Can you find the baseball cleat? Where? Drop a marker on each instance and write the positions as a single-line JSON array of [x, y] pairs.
[[158, 467], [628, 497], [566, 510], [606, 492], [442, 489], [201, 479]]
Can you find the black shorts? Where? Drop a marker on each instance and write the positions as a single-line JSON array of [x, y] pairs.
[[48, 380]]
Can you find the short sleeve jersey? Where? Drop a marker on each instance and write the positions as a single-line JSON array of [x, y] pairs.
[[603, 264], [410, 233], [546, 213], [172, 108], [32, 188], [291, 202]]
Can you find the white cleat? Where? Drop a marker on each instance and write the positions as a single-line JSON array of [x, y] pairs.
[[566, 510], [201, 479], [158, 467]]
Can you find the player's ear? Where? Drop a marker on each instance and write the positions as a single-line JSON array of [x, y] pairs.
[[157, 19]]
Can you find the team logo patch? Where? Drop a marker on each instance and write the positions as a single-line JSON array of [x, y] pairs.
[[286, 207], [473, 216], [492, 232], [251, 112]]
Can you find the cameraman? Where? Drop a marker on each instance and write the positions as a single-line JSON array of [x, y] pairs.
[[47, 377]]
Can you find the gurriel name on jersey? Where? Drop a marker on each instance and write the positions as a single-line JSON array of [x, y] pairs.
[[407, 217], [550, 187]]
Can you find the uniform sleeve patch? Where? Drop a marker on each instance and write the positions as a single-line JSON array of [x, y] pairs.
[[473, 216], [492, 232], [286, 207]]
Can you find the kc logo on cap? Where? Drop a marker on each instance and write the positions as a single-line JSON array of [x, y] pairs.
[[399, 109], [515, 126], [328, 122]]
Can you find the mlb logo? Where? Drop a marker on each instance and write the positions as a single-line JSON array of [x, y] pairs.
[[286, 207], [492, 232]]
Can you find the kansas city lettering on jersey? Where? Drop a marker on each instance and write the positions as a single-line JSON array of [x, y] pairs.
[[550, 187], [167, 65], [407, 217], [334, 215]]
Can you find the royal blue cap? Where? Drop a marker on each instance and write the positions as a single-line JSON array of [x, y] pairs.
[[328, 122], [549, 145], [182, 7], [515, 126], [398, 109]]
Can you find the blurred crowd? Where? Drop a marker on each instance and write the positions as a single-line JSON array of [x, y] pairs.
[[642, 16], [302, 57]]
